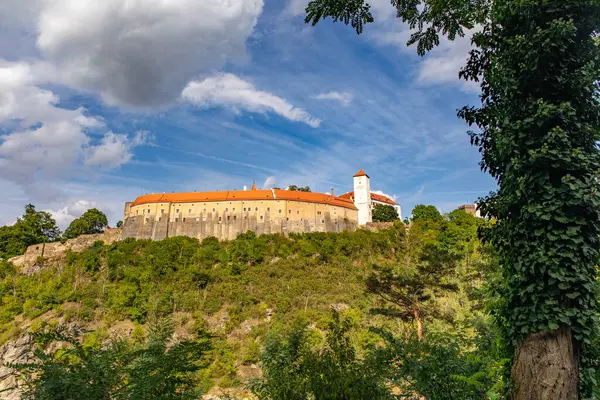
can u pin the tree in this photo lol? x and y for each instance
(537, 63)
(92, 221)
(31, 228)
(119, 370)
(426, 213)
(384, 213)
(418, 275)
(295, 370)
(539, 121)
(299, 188)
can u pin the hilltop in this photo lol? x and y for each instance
(240, 291)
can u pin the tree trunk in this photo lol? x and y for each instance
(546, 366)
(419, 324)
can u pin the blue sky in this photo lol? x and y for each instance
(234, 92)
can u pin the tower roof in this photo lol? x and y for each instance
(361, 173)
(253, 185)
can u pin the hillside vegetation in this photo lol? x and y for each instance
(377, 289)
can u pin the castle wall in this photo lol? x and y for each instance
(227, 219)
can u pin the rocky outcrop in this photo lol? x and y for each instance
(50, 252)
(15, 351)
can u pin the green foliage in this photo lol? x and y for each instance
(294, 368)
(119, 224)
(384, 213)
(426, 18)
(299, 188)
(92, 221)
(539, 129)
(409, 283)
(426, 213)
(119, 370)
(32, 228)
(445, 366)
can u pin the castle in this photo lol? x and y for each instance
(226, 214)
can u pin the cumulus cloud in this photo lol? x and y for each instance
(67, 214)
(343, 97)
(228, 90)
(379, 192)
(44, 139)
(115, 149)
(142, 52)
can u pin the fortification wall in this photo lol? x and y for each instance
(226, 220)
(58, 249)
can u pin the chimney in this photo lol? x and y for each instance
(332, 191)
(245, 187)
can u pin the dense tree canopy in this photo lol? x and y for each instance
(31, 228)
(299, 188)
(426, 213)
(92, 221)
(384, 213)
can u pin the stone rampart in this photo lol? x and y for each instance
(57, 249)
(228, 227)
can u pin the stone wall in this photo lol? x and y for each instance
(57, 250)
(225, 220)
(229, 226)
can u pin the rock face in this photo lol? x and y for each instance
(14, 351)
(54, 251)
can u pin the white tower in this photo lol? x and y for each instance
(362, 197)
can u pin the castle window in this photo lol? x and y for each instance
(323, 221)
(147, 219)
(204, 210)
(213, 210)
(298, 212)
(268, 208)
(162, 211)
(190, 211)
(279, 211)
(176, 219)
(37, 247)
(289, 211)
(137, 212)
(256, 209)
(219, 219)
(233, 209)
(261, 217)
(288, 219)
(227, 209)
(177, 211)
(184, 220)
(229, 218)
(234, 217)
(244, 208)
(318, 212)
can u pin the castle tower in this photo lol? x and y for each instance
(362, 197)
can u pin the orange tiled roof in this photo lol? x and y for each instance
(361, 173)
(374, 196)
(237, 195)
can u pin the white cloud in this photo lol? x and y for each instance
(67, 214)
(382, 193)
(270, 181)
(115, 150)
(45, 140)
(231, 91)
(343, 97)
(142, 52)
